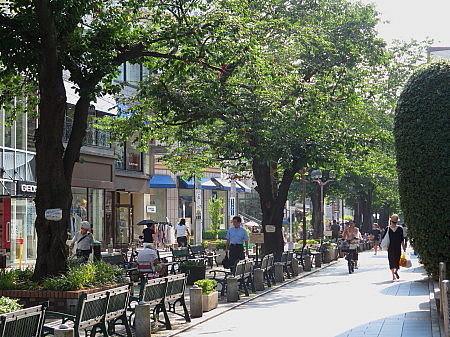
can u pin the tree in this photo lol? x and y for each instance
(88, 40)
(216, 214)
(421, 142)
(289, 99)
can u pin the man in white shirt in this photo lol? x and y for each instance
(83, 241)
(147, 259)
(182, 233)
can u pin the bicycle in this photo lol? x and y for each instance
(351, 250)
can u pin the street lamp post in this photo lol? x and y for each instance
(316, 176)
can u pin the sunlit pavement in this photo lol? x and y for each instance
(332, 303)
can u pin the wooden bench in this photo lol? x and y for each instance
(93, 313)
(267, 268)
(22, 323)
(157, 292)
(199, 252)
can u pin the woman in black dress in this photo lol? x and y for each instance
(396, 241)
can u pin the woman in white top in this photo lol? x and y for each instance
(182, 233)
(351, 233)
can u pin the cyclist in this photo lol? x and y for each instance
(352, 234)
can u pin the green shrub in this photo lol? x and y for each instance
(8, 305)
(210, 234)
(192, 263)
(208, 285)
(310, 242)
(422, 137)
(216, 215)
(7, 279)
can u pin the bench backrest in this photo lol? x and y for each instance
(248, 268)
(197, 250)
(153, 291)
(176, 285)
(91, 309)
(115, 260)
(265, 262)
(239, 269)
(118, 302)
(180, 254)
(284, 257)
(271, 261)
(23, 323)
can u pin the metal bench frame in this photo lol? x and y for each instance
(23, 323)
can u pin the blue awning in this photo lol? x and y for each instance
(162, 181)
(207, 183)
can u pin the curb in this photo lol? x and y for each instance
(436, 326)
(273, 288)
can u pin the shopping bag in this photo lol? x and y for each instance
(408, 263)
(226, 261)
(402, 262)
(385, 242)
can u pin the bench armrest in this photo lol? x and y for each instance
(63, 316)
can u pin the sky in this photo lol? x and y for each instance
(414, 19)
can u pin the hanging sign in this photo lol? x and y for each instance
(151, 209)
(269, 228)
(232, 206)
(256, 237)
(53, 214)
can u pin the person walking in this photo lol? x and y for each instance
(375, 237)
(182, 233)
(149, 233)
(84, 241)
(351, 234)
(236, 237)
(397, 240)
(335, 230)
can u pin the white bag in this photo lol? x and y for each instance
(386, 241)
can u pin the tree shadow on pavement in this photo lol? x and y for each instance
(412, 323)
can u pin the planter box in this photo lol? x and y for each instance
(61, 301)
(210, 301)
(194, 273)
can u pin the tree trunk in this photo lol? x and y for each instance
(383, 221)
(316, 213)
(273, 197)
(54, 164)
(367, 212)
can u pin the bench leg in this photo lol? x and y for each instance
(125, 323)
(187, 317)
(166, 317)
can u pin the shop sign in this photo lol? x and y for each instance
(151, 209)
(53, 214)
(26, 188)
(270, 228)
(232, 206)
(256, 237)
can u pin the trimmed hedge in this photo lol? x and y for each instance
(422, 138)
(209, 234)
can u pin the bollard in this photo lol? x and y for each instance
(142, 322)
(196, 301)
(444, 301)
(295, 267)
(442, 272)
(63, 331)
(258, 279)
(232, 289)
(318, 260)
(278, 271)
(307, 263)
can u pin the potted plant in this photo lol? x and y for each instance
(195, 270)
(210, 297)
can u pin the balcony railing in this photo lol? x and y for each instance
(94, 137)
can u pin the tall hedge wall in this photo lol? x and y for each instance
(422, 138)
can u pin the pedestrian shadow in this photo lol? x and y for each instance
(417, 323)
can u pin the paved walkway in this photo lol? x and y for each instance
(332, 303)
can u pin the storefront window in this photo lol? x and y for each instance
(8, 165)
(95, 212)
(185, 202)
(20, 166)
(31, 236)
(31, 167)
(79, 209)
(21, 132)
(119, 152)
(158, 200)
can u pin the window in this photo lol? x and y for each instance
(21, 132)
(95, 212)
(128, 158)
(31, 144)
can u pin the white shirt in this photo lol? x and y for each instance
(145, 259)
(181, 230)
(84, 244)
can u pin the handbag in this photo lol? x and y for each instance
(226, 261)
(386, 241)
